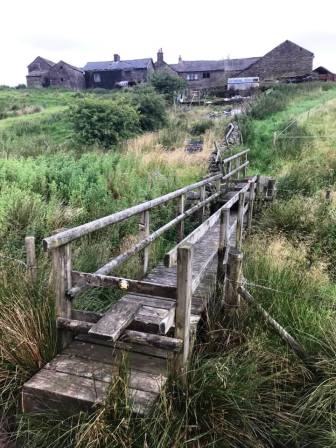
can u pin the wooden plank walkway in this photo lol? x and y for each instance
(80, 376)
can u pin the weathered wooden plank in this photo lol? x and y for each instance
(126, 346)
(111, 355)
(86, 316)
(125, 284)
(153, 301)
(69, 393)
(154, 340)
(162, 320)
(111, 325)
(100, 371)
(235, 156)
(75, 326)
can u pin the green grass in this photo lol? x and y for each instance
(246, 388)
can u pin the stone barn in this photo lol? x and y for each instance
(287, 60)
(117, 73)
(67, 76)
(38, 72)
(323, 74)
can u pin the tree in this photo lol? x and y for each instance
(167, 84)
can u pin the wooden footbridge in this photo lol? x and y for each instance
(156, 320)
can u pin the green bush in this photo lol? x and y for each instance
(168, 85)
(150, 105)
(103, 122)
(268, 103)
(200, 127)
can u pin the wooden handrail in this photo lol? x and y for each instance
(62, 238)
(120, 259)
(235, 156)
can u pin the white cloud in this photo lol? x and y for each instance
(78, 31)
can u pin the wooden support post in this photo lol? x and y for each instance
(240, 221)
(234, 272)
(271, 189)
(259, 192)
(61, 275)
(228, 179)
(218, 185)
(31, 258)
(223, 247)
(180, 226)
(251, 204)
(144, 232)
(237, 166)
(245, 167)
(183, 305)
(202, 198)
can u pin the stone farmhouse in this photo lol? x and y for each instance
(287, 60)
(116, 73)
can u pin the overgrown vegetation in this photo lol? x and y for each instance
(245, 388)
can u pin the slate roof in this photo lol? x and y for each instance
(50, 63)
(131, 64)
(208, 66)
(55, 67)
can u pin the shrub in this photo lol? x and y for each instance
(103, 122)
(168, 85)
(151, 107)
(201, 126)
(268, 103)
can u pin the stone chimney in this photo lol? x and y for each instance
(180, 59)
(160, 56)
(116, 57)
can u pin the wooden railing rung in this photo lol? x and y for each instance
(124, 284)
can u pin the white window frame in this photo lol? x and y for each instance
(96, 77)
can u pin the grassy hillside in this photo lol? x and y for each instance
(246, 388)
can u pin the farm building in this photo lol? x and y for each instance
(324, 74)
(117, 73)
(45, 73)
(38, 72)
(284, 61)
(210, 74)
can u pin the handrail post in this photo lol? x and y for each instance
(144, 232)
(223, 247)
(240, 221)
(245, 167)
(31, 258)
(180, 226)
(183, 306)
(251, 204)
(234, 273)
(202, 198)
(259, 192)
(61, 276)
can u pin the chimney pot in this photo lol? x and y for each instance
(116, 57)
(180, 58)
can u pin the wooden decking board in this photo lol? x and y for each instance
(99, 371)
(71, 393)
(114, 321)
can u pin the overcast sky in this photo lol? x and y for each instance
(81, 31)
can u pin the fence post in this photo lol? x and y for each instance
(61, 276)
(183, 305)
(180, 226)
(240, 221)
(223, 247)
(144, 232)
(270, 194)
(234, 272)
(202, 198)
(259, 192)
(31, 258)
(251, 204)
(245, 167)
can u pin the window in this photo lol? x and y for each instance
(206, 75)
(96, 77)
(62, 79)
(192, 76)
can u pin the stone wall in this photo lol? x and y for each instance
(63, 75)
(286, 60)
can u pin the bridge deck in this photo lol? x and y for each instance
(81, 375)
